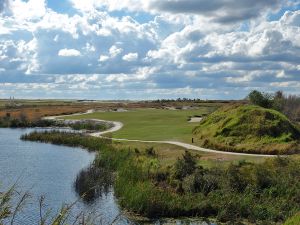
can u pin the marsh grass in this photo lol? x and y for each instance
(13, 202)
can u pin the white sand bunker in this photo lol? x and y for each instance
(195, 119)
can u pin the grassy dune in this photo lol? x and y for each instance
(248, 128)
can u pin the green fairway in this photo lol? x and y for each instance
(152, 124)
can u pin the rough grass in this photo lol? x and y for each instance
(168, 154)
(152, 124)
(295, 220)
(248, 128)
(36, 113)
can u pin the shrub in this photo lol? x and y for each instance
(150, 151)
(261, 99)
(185, 166)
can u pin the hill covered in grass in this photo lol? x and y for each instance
(250, 129)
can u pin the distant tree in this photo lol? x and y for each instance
(287, 104)
(261, 99)
(278, 101)
(291, 107)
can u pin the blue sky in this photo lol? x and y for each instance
(132, 49)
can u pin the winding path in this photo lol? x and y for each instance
(118, 125)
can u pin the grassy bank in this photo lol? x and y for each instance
(248, 128)
(264, 193)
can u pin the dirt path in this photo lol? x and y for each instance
(118, 125)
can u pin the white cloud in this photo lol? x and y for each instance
(130, 57)
(27, 10)
(115, 51)
(69, 52)
(103, 58)
(90, 48)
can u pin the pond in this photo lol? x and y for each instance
(50, 171)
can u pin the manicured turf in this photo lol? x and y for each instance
(152, 124)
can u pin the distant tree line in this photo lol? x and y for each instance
(193, 100)
(287, 104)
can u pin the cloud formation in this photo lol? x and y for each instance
(130, 57)
(68, 52)
(228, 11)
(149, 49)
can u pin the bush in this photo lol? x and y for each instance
(185, 166)
(261, 99)
(150, 151)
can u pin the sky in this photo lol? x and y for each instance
(148, 49)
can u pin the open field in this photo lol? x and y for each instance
(152, 124)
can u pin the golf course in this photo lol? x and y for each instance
(152, 124)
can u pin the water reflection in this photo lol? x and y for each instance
(93, 182)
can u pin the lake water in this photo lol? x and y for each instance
(49, 170)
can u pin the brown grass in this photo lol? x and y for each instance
(35, 113)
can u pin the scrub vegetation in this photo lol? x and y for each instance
(264, 193)
(23, 122)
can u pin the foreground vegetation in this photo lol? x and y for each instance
(248, 128)
(12, 202)
(264, 193)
